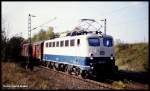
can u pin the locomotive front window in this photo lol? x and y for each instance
(94, 41)
(108, 42)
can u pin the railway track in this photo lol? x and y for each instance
(107, 84)
(98, 84)
(88, 81)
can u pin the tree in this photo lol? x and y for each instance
(118, 41)
(50, 34)
(3, 44)
(4, 38)
(34, 38)
(44, 35)
(14, 47)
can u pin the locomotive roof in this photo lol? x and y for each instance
(79, 36)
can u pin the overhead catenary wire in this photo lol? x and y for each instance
(123, 9)
(44, 23)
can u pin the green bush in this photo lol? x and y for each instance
(132, 56)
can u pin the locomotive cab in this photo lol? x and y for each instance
(101, 54)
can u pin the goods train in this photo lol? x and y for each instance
(79, 52)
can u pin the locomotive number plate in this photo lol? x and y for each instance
(102, 52)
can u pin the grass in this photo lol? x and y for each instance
(118, 85)
(14, 75)
(11, 74)
(132, 57)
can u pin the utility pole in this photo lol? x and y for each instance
(29, 28)
(104, 26)
(29, 61)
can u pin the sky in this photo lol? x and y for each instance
(127, 21)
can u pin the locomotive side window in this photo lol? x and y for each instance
(61, 43)
(53, 44)
(72, 42)
(66, 43)
(50, 44)
(46, 44)
(78, 42)
(94, 41)
(108, 42)
(57, 44)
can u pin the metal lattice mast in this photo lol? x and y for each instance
(105, 26)
(29, 28)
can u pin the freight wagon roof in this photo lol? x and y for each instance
(38, 42)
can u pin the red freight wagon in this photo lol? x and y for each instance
(37, 50)
(24, 50)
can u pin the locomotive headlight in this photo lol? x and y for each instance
(91, 56)
(92, 67)
(111, 58)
